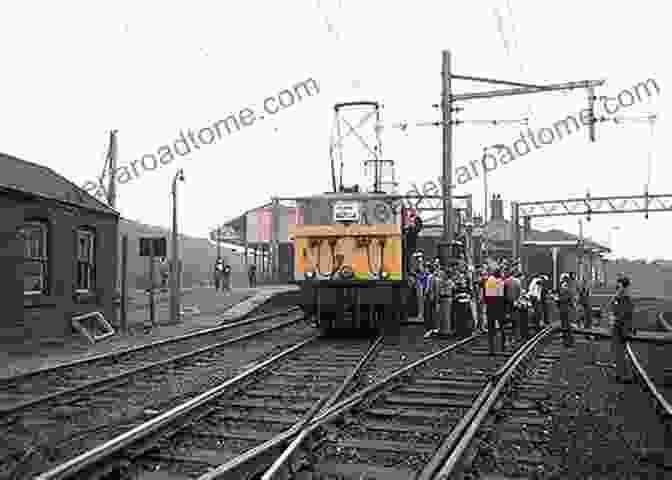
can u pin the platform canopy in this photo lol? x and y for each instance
(253, 228)
(588, 246)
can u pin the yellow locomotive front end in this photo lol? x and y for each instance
(348, 259)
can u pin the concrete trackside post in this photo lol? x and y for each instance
(124, 284)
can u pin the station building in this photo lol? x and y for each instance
(550, 252)
(58, 253)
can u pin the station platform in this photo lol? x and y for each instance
(203, 308)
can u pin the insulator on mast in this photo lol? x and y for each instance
(591, 114)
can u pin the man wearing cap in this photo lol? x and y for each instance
(623, 309)
(565, 301)
(218, 273)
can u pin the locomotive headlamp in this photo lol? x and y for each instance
(310, 275)
(347, 272)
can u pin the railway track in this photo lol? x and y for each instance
(233, 417)
(47, 428)
(426, 420)
(21, 391)
(169, 439)
(511, 435)
(396, 428)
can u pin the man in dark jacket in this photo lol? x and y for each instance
(623, 309)
(219, 271)
(584, 300)
(226, 279)
(252, 275)
(565, 304)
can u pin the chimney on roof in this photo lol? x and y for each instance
(497, 208)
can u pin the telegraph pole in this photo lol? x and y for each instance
(219, 236)
(581, 250)
(175, 262)
(445, 246)
(112, 164)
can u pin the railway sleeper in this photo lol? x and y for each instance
(270, 404)
(217, 434)
(391, 446)
(429, 401)
(450, 392)
(292, 395)
(408, 414)
(359, 471)
(262, 416)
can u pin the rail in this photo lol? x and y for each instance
(452, 449)
(664, 324)
(147, 346)
(282, 464)
(134, 371)
(663, 407)
(107, 449)
(331, 413)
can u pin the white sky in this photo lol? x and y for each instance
(71, 71)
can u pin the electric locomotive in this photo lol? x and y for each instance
(350, 259)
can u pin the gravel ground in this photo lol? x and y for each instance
(599, 428)
(594, 431)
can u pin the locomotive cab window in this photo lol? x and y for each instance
(34, 237)
(85, 260)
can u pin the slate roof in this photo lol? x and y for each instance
(33, 179)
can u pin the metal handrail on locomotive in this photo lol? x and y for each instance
(349, 262)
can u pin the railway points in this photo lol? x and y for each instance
(405, 425)
(344, 385)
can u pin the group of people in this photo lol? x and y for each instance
(222, 276)
(433, 282)
(502, 295)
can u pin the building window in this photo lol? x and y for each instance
(85, 260)
(34, 237)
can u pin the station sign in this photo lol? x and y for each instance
(346, 212)
(153, 247)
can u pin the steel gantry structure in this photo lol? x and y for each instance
(585, 206)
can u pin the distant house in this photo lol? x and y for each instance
(58, 253)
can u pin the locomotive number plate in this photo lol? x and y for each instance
(346, 212)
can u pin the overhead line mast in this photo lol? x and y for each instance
(448, 98)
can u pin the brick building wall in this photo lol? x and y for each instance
(34, 317)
